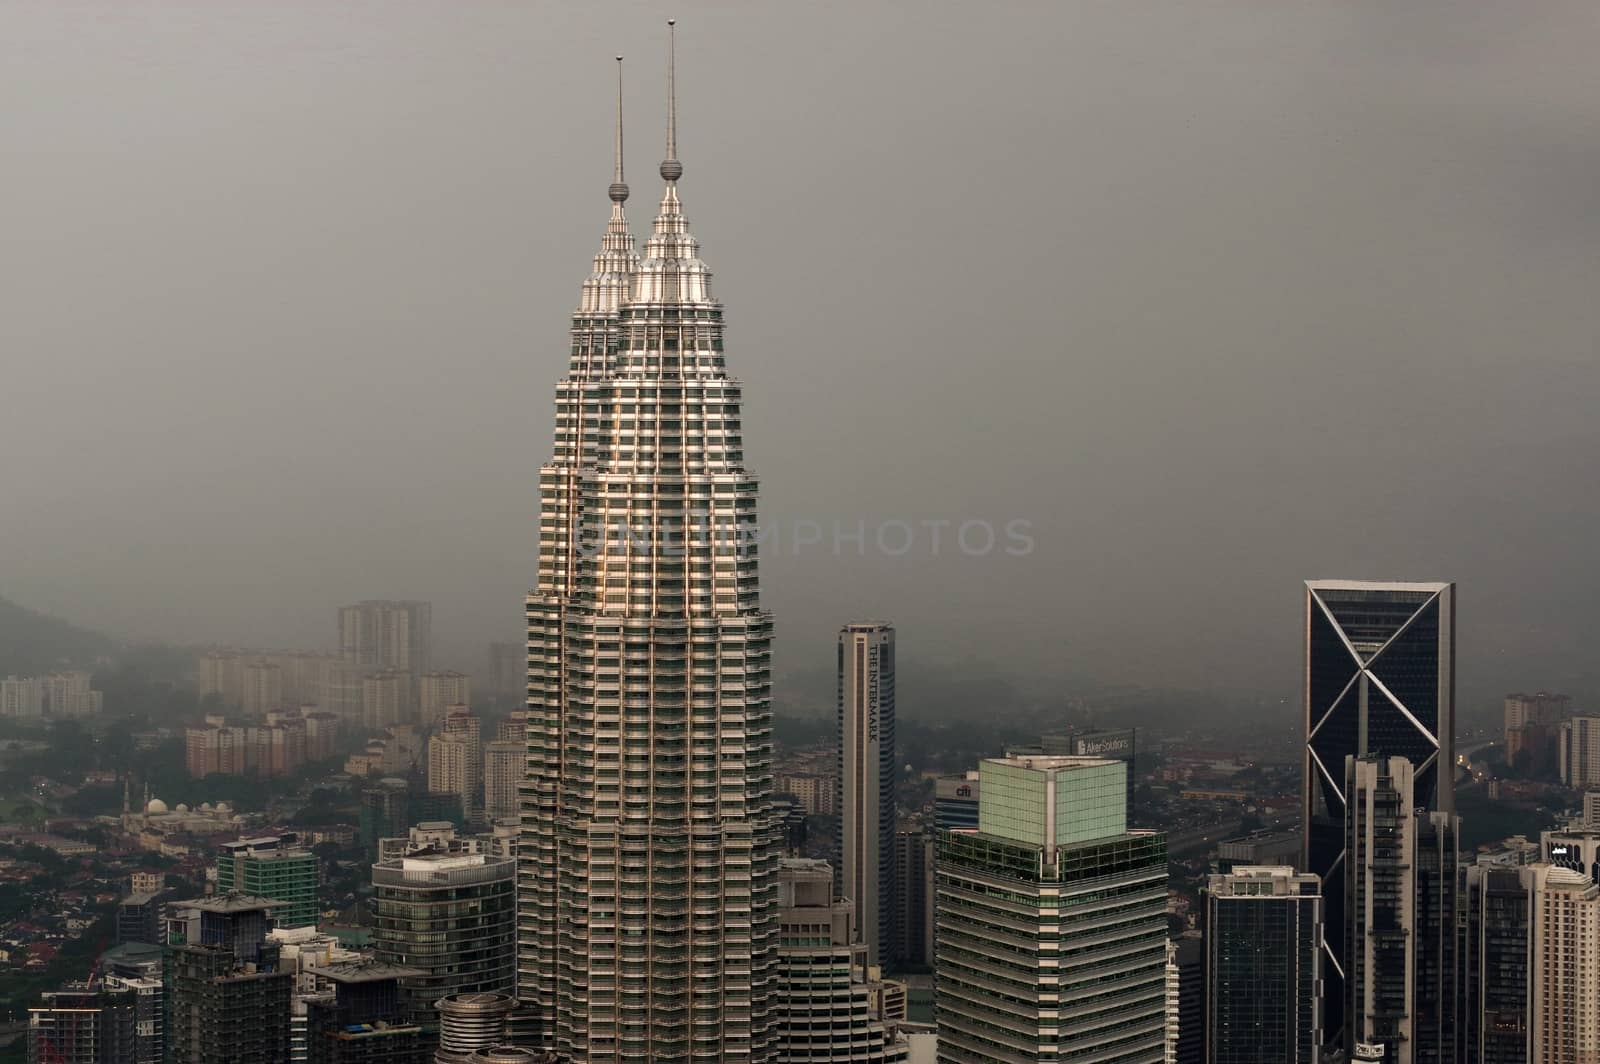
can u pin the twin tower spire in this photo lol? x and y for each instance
(609, 286)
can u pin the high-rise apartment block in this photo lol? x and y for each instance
(262, 688)
(385, 699)
(387, 635)
(1264, 966)
(1401, 888)
(1563, 969)
(82, 1025)
(1532, 723)
(1379, 680)
(823, 997)
(276, 867)
(61, 694)
(1051, 920)
(274, 748)
(455, 761)
(502, 772)
(649, 878)
(1579, 752)
(452, 916)
(438, 693)
(867, 776)
(508, 669)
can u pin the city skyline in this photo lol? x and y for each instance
(448, 232)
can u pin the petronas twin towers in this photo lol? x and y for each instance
(647, 875)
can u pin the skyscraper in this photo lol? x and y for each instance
(82, 1025)
(1263, 966)
(1379, 679)
(455, 762)
(450, 915)
(363, 1017)
(1494, 968)
(823, 999)
(387, 635)
(1400, 886)
(866, 781)
(1579, 751)
(1564, 972)
(230, 997)
(914, 853)
(1051, 920)
(649, 850)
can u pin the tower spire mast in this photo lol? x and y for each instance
(671, 168)
(619, 184)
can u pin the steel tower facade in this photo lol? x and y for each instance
(649, 853)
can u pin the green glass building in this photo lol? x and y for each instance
(1051, 920)
(271, 867)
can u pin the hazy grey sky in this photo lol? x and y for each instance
(1218, 295)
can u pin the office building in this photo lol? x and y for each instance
(1263, 966)
(450, 915)
(229, 997)
(387, 635)
(139, 917)
(1494, 965)
(385, 811)
(955, 802)
(1120, 744)
(911, 945)
(502, 771)
(823, 998)
(1579, 751)
(648, 888)
(363, 1016)
(1563, 966)
(1073, 963)
(1401, 886)
(867, 775)
(276, 867)
(439, 693)
(1379, 680)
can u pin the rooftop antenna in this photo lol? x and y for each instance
(671, 168)
(619, 185)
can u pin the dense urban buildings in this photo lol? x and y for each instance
(1379, 680)
(1263, 966)
(823, 997)
(449, 914)
(1051, 920)
(60, 694)
(649, 848)
(387, 635)
(364, 1017)
(867, 775)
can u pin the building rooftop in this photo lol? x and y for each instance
(232, 902)
(1046, 762)
(142, 897)
(363, 971)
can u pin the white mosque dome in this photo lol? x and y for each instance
(206, 807)
(156, 807)
(182, 808)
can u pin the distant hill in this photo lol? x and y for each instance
(32, 643)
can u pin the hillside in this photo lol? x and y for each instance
(32, 643)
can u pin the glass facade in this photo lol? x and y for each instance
(1379, 680)
(1264, 962)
